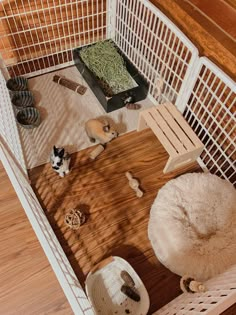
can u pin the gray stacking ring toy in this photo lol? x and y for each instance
(22, 99)
(28, 117)
(17, 84)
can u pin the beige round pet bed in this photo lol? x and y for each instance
(192, 225)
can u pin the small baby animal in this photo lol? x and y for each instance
(100, 131)
(60, 161)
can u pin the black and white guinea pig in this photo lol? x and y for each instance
(60, 161)
(100, 131)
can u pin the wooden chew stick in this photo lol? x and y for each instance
(70, 84)
(134, 184)
(96, 152)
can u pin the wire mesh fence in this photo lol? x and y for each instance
(155, 46)
(211, 112)
(39, 36)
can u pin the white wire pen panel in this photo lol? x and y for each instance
(211, 112)
(55, 254)
(8, 126)
(159, 50)
(220, 295)
(38, 36)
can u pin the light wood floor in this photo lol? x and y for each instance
(117, 220)
(27, 282)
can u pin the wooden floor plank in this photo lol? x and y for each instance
(116, 219)
(27, 282)
(220, 12)
(28, 285)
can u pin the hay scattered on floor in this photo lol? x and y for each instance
(108, 65)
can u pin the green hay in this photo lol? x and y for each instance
(107, 64)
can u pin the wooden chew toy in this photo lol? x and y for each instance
(76, 87)
(99, 149)
(134, 106)
(74, 219)
(189, 285)
(134, 184)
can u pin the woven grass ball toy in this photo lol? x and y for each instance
(74, 219)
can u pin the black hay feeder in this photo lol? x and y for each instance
(109, 101)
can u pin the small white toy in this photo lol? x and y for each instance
(99, 149)
(100, 131)
(60, 161)
(134, 184)
(189, 285)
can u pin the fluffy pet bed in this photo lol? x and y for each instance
(192, 225)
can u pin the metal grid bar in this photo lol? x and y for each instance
(43, 37)
(37, 37)
(38, 10)
(62, 43)
(155, 46)
(87, 21)
(46, 41)
(40, 35)
(26, 37)
(102, 19)
(211, 112)
(13, 39)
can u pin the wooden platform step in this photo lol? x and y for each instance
(174, 133)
